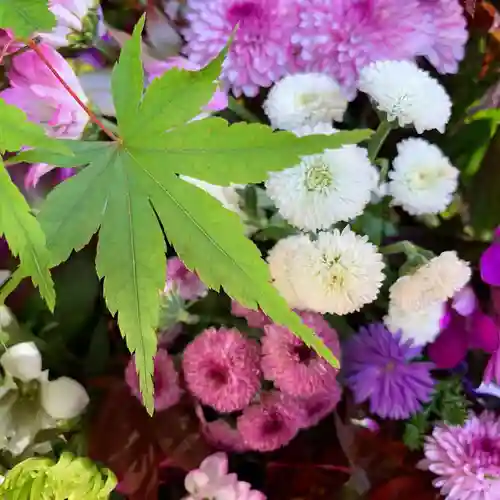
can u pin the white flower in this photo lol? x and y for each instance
(22, 361)
(318, 129)
(305, 99)
(4, 276)
(419, 325)
(407, 94)
(63, 398)
(287, 255)
(341, 274)
(423, 180)
(437, 281)
(324, 188)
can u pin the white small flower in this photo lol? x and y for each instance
(324, 188)
(317, 129)
(419, 325)
(341, 274)
(63, 398)
(423, 180)
(287, 255)
(22, 361)
(305, 99)
(407, 94)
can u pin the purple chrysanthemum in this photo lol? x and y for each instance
(271, 424)
(221, 368)
(294, 367)
(379, 367)
(316, 408)
(466, 458)
(166, 381)
(261, 52)
(339, 37)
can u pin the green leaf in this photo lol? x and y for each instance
(25, 17)
(130, 192)
(25, 237)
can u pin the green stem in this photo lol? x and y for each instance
(242, 111)
(378, 139)
(406, 247)
(11, 284)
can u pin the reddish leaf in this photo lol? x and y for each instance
(417, 487)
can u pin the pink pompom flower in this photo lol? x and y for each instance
(466, 458)
(294, 367)
(221, 368)
(261, 52)
(317, 407)
(183, 281)
(166, 381)
(270, 424)
(255, 319)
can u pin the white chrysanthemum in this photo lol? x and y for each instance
(423, 180)
(419, 325)
(324, 188)
(288, 254)
(342, 273)
(407, 94)
(318, 129)
(436, 281)
(305, 99)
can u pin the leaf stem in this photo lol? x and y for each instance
(378, 139)
(11, 284)
(32, 44)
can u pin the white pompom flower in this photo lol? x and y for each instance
(423, 180)
(341, 274)
(325, 188)
(22, 361)
(305, 99)
(63, 398)
(407, 94)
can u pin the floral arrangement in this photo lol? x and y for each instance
(249, 249)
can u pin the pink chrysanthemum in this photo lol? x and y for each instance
(339, 37)
(183, 281)
(255, 319)
(221, 368)
(466, 458)
(316, 408)
(166, 381)
(292, 365)
(446, 27)
(271, 424)
(261, 52)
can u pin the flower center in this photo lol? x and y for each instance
(486, 452)
(303, 353)
(218, 375)
(318, 176)
(242, 12)
(427, 177)
(273, 424)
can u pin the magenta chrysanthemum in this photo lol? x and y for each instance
(339, 37)
(316, 408)
(221, 368)
(271, 424)
(261, 52)
(292, 365)
(166, 381)
(379, 367)
(466, 458)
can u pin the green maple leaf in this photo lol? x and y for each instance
(25, 17)
(22, 231)
(131, 189)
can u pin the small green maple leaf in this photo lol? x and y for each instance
(131, 189)
(25, 17)
(22, 231)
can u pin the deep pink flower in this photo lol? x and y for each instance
(261, 52)
(8, 45)
(446, 26)
(221, 368)
(270, 424)
(339, 37)
(294, 367)
(316, 408)
(166, 381)
(183, 281)
(490, 262)
(466, 458)
(255, 319)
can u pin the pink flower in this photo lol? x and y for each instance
(294, 367)
(261, 52)
(221, 368)
(466, 459)
(35, 90)
(272, 423)
(255, 319)
(317, 407)
(339, 37)
(183, 281)
(490, 262)
(446, 26)
(156, 69)
(166, 381)
(8, 45)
